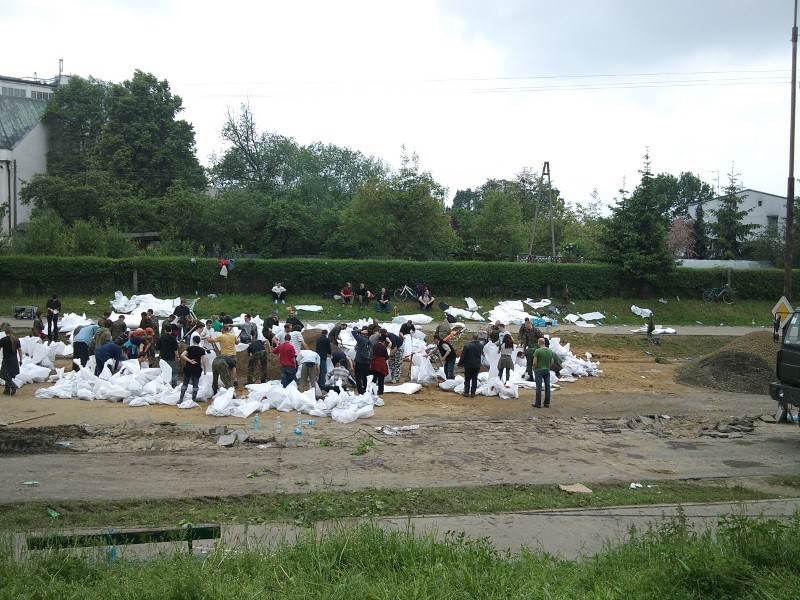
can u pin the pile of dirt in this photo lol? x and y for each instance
(746, 365)
(38, 440)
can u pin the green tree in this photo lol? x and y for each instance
(499, 231)
(634, 237)
(142, 141)
(676, 194)
(729, 233)
(402, 217)
(582, 230)
(700, 225)
(45, 234)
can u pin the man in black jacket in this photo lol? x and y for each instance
(471, 361)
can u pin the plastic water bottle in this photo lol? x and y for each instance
(309, 422)
(299, 419)
(255, 423)
(298, 431)
(277, 424)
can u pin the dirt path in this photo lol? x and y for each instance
(592, 433)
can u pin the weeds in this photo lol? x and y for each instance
(362, 447)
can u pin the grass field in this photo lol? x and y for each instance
(676, 311)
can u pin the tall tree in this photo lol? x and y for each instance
(701, 241)
(635, 237)
(729, 232)
(143, 143)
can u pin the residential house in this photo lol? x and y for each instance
(762, 209)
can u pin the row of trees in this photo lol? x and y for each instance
(121, 160)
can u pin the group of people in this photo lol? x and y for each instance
(362, 296)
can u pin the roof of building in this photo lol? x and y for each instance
(18, 116)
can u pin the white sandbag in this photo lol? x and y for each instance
(346, 414)
(450, 384)
(508, 390)
(245, 410)
(405, 388)
(135, 402)
(188, 403)
(422, 371)
(365, 412)
(84, 394)
(166, 371)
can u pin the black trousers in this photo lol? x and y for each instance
(362, 369)
(471, 380)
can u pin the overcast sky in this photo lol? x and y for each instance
(477, 89)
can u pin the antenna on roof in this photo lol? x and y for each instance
(60, 67)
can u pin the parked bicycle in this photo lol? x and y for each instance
(724, 293)
(404, 293)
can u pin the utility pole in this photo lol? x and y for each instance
(787, 268)
(545, 173)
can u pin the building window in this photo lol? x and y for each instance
(11, 91)
(41, 95)
(772, 222)
(760, 202)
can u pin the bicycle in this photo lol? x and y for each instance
(725, 293)
(404, 293)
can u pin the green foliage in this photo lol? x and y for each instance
(400, 218)
(729, 232)
(499, 231)
(635, 238)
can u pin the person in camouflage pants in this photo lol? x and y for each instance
(529, 339)
(220, 370)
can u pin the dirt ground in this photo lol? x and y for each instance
(633, 422)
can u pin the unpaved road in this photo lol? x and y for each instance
(591, 433)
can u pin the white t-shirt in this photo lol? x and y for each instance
(308, 356)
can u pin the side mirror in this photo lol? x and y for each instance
(776, 329)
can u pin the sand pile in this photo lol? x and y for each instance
(746, 365)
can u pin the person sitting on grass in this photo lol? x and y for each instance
(347, 294)
(426, 300)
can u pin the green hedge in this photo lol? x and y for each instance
(172, 276)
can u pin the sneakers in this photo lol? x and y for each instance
(282, 302)
(276, 301)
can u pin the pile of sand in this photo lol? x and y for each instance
(746, 365)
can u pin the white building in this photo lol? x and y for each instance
(763, 209)
(23, 142)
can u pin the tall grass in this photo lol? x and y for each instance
(748, 558)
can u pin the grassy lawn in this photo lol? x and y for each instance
(617, 310)
(746, 558)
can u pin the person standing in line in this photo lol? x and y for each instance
(395, 361)
(53, 310)
(470, 360)
(379, 366)
(323, 348)
(167, 346)
(288, 360)
(279, 292)
(297, 324)
(193, 367)
(12, 358)
(542, 361)
(506, 360)
(448, 354)
(363, 358)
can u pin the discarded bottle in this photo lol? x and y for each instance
(255, 423)
(299, 418)
(111, 553)
(309, 422)
(298, 431)
(277, 425)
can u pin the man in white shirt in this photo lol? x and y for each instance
(296, 338)
(279, 292)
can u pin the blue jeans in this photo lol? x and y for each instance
(542, 377)
(379, 307)
(323, 370)
(195, 379)
(288, 375)
(450, 368)
(174, 366)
